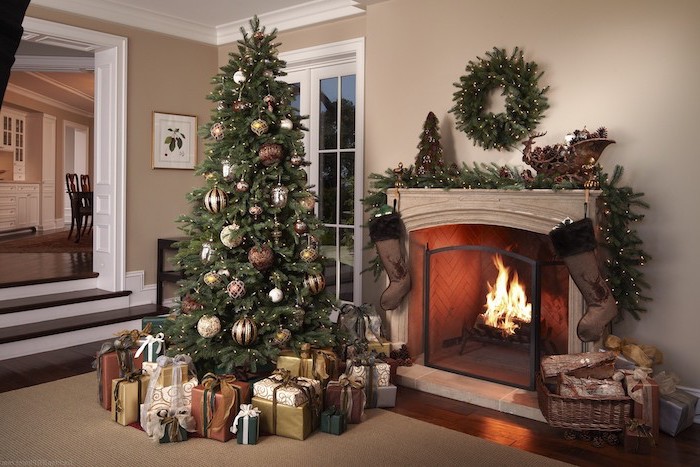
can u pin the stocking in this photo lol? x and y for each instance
(575, 243)
(385, 231)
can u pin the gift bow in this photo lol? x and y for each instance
(134, 334)
(635, 383)
(211, 383)
(179, 359)
(347, 383)
(637, 426)
(150, 340)
(174, 420)
(247, 410)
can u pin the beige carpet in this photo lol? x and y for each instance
(61, 423)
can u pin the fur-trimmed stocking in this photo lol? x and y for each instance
(385, 231)
(575, 243)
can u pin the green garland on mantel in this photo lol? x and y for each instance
(620, 209)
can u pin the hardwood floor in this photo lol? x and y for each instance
(18, 269)
(502, 428)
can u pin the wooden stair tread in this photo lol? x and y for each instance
(57, 299)
(74, 323)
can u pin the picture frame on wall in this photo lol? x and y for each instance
(174, 141)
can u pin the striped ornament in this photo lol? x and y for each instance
(244, 331)
(215, 200)
(315, 283)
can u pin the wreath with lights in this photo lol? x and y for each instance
(525, 101)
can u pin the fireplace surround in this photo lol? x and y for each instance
(534, 211)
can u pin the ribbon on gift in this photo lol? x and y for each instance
(372, 377)
(134, 376)
(286, 380)
(176, 399)
(170, 421)
(134, 334)
(126, 362)
(641, 430)
(149, 342)
(347, 383)
(213, 419)
(245, 413)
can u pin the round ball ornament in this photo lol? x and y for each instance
(208, 326)
(244, 331)
(286, 124)
(270, 154)
(255, 210)
(308, 202)
(282, 336)
(296, 160)
(239, 77)
(300, 227)
(525, 102)
(261, 257)
(279, 196)
(315, 283)
(276, 295)
(212, 278)
(217, 131)
(215, 200)
(231, 235)
(238, 106)
(242, 186)
(259, 127)
(189, 305)
(308, 254)
(269, 74)
(259, 35)
(236, 289)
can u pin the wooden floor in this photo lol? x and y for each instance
(488, 424)
(491, 425)
(18, 269)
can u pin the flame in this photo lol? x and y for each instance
(506, 303)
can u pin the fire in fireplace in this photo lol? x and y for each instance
(494, 301)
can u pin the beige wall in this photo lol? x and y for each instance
(33, 170)
(165, 74)
(628, 65)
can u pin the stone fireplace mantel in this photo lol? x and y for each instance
(532, 210)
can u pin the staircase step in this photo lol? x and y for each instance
(74, 323)
(57, 299)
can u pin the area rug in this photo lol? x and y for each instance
(57, 242)
(61, 423)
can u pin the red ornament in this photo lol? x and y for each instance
(261, 257)
(270, 154)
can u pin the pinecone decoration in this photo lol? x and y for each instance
(402, 356)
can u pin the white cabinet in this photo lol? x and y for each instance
(12, 139)
(19, 205)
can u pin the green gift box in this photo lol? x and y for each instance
(156, 322)
(180, 436)
(333, 421)
(248, 430)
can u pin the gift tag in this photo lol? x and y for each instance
(334, 315)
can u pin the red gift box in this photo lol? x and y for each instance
(219, 422)
(110, 366)
(334, 397)
(648, 410)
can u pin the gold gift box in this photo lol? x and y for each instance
(166, 373)
(383, 346)
(292, 422)
(125, 408)
(297, 366)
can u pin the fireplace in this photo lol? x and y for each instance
(467, 229)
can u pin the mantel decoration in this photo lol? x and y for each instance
(525, 102)
(619, 210)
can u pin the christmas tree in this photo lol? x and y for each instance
(253, 276)
(429, 158)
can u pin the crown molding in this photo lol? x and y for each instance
(57, 84)
(306, 14)
(47, 100)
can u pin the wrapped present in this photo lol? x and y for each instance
(382, 346)
(113, 361)
(151, 347)
(386, 396)
(676, 411)
(128, 393)
(318, 364)
(288, 390)
(246, 425)
(374, 372)
(213, 401)
(638, 438)
(393, 366)
(170, 426)
(348, 395)
(284, 420)
(333, 421)
(156, 322)
(167, 388)
(645, 393)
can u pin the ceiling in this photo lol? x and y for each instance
(61, 72)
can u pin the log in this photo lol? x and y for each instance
(570, 386)
(599, 365)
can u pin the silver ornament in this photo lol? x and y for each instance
(279, 196)
(207, 252)
(286, 124)
(276, 295)
(239, 77)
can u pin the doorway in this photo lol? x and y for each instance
(76, 139)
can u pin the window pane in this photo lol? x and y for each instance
(328, 249)
(328, 118)
(347, 188)
(328, 193)
(347, 112)
(296, 90)
(347, 254)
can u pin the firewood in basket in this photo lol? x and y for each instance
(599, 365)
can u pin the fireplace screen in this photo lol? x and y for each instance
(482, 313)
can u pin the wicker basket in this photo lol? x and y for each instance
(601, 414)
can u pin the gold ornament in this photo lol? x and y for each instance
(259, 127)
(230, 235)
(244, 331)
(315, 283)
(282, 336)
(309, 254)
(212, 278)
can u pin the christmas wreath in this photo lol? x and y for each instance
(525, 102)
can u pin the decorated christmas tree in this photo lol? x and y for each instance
(254, 279)
(429, 158)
